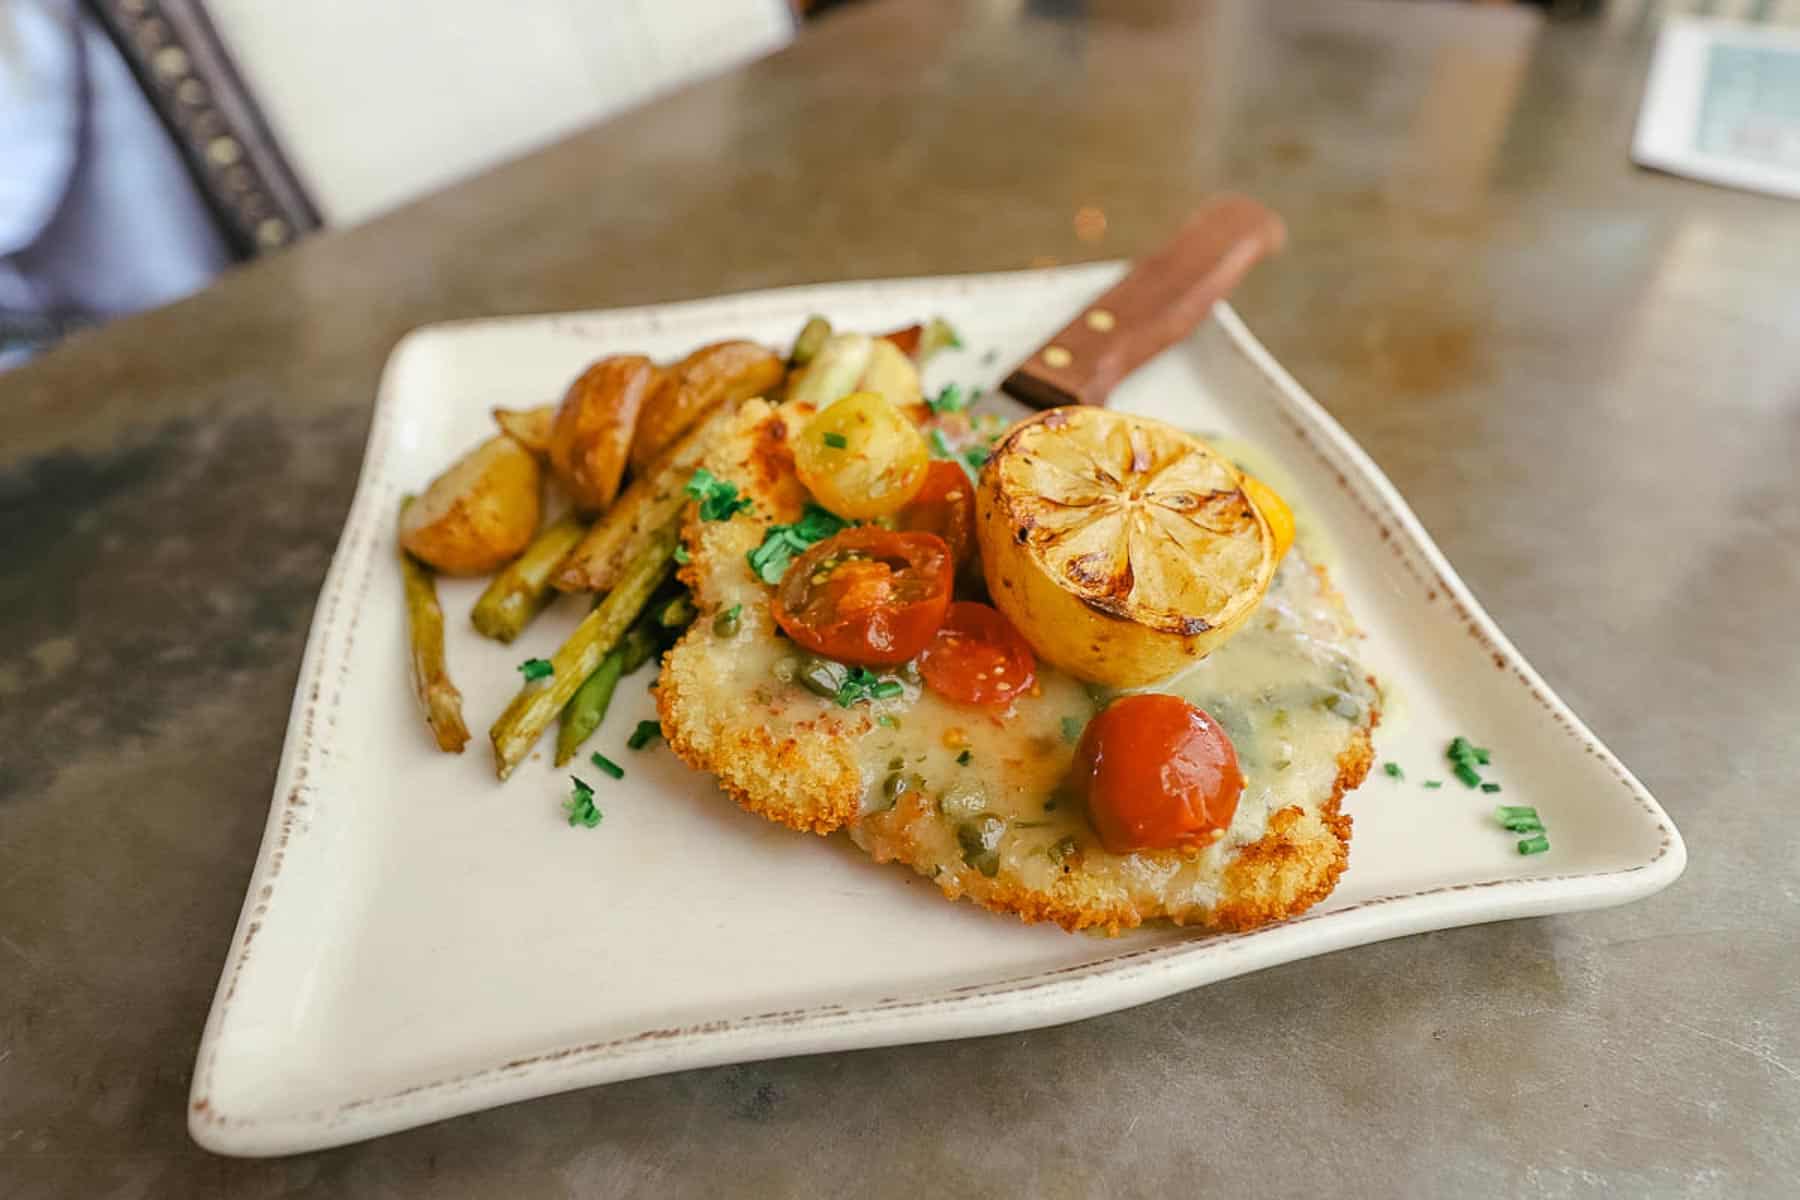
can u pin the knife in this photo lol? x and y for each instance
(1162, 299)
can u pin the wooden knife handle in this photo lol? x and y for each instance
(1159, 303)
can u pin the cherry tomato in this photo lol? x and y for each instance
(865, 596)
(977, 657)
(861, 457)
(1158, 774)
(945, 505)
(906, 340)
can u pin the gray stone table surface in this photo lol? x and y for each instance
(1586, 378)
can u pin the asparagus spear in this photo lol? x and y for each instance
(587, 708)
(807, 342)
(532, 710)
(521, 591)
(431, 676)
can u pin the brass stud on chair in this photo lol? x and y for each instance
(1101, 320)
(224, 151)
(1057, 357)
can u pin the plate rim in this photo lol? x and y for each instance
(1057, 995)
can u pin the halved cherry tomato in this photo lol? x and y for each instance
(944, 505)
(862, 457)
(977, 657)
(865, 596)
(1158, 774)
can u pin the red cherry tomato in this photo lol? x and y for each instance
(865, 596)
(906, 340)
(944, 505)
(977, 657)
(1158, 774)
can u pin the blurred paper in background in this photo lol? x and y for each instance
(1722, 105)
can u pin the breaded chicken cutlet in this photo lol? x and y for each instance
(975, 799)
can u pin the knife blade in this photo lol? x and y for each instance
(1160, 301)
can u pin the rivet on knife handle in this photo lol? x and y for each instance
(1160, 302)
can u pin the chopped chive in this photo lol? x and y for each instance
(682, 556)
(1466, 773)
(719, 499)
(950, 399)
(1534, 845)
(580, 804)
(1071, 729)
(1393, 770)
(1490, 787)
(534, 669)
(645, 733)
(836, 441)
(965, 758)
(975, 457)
(1481, 756)
(1518, 818)
(887, 689)
(606, 764)
(1434, 783)
(940, 445)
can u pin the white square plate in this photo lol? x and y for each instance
(419, 941)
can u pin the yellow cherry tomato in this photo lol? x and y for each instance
(862, 457)
(1274, 510)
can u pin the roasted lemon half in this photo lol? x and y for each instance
(1122, 548)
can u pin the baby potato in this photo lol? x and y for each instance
(724, 372)
(592, 434)
(530, 427)
(480, 513)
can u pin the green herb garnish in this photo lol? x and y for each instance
(860, 683)
(1519, 818)
(606, 764)
(975, 457)
(781, 542)
(888, 721)
(1434, 783)
(1490, 787)
(949, 400)
(580, 805)
(1534, 845)
(645, 733)
(940, 445)
(1393, 770)
(682, 556)
(1071, 729)
(965, 758)
(719, 499)
(534, 669)
(836, 441)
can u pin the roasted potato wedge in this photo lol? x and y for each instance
(592, 434)
(478, 514)
(530, 427)
(710, 376)
(653, 499)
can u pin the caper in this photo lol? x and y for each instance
(963, 800)
(896, 785)
(980, 840)
(726, 623)
(820, 676)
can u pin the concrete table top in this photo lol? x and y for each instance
(1585, 377)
